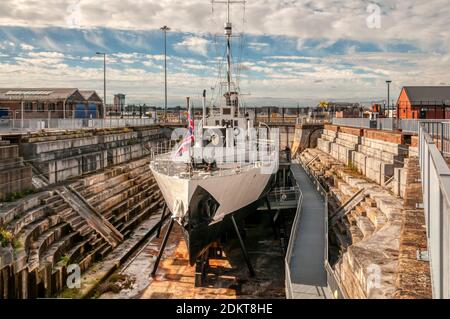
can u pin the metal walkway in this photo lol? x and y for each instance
(308, 252)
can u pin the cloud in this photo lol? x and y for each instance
(299, 50)
(50, 55)
(326, 19)
(258, 46)
(193, 44)
(26, 47)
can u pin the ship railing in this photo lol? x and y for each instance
(284, 196)
(169, 165)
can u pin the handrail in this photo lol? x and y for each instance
(287, 260)
(435, 176)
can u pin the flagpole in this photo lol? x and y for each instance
(189, 128)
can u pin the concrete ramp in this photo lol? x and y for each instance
(92, 217)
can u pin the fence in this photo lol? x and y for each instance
(435, 175)
(287, 262)
(27, 125)
(388, 124)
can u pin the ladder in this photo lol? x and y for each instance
(342, 211)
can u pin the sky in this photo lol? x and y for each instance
(286, 52)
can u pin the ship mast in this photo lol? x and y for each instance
(229, 35)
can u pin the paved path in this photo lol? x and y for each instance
(309, 278)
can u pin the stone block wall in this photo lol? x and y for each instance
(374, 154)
(15, 176)
(61, 156)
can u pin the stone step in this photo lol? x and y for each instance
(27, 218)
(92, 190)
(365, 226)
(122, 206)
(90, 257)
(355, 234)
(43, 241)
(105, 251)
(58, 248)
(140, 215)
(85, 230)
(32, 231)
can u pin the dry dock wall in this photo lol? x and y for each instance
(377, 155)
(63, 156)
(15, 177)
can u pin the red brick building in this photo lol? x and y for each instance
(52, 103)
(424, 102)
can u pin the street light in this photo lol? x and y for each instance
(388, 82)
(104, 82)
(165, 29)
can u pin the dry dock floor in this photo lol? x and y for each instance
(228, 278)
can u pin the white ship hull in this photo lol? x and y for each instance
(232, 192)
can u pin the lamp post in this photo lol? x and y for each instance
(165, 29)
(388, 82)
(21, 112)
(104, 82)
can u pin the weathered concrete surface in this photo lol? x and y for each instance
(375, 155)
(49, 234)
(61, 156)
(227, 279)
(15, 176)
(306, 136)
(413, 279)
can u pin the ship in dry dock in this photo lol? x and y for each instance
(220, 170)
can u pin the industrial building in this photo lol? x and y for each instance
(424, 102)
(119, 103)
(52, 103)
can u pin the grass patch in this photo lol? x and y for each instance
(6, 238)
(63, 261)
(71, 294)
(353, 168)
(12, 197)
(17, 244)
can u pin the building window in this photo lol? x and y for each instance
(52, 107)
(28, 106)
(40, 107)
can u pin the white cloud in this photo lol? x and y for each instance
(258, 46)
(322, 19)
(50, 55)
(26, 47)
(193, 44)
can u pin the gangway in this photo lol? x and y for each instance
(306, 276)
